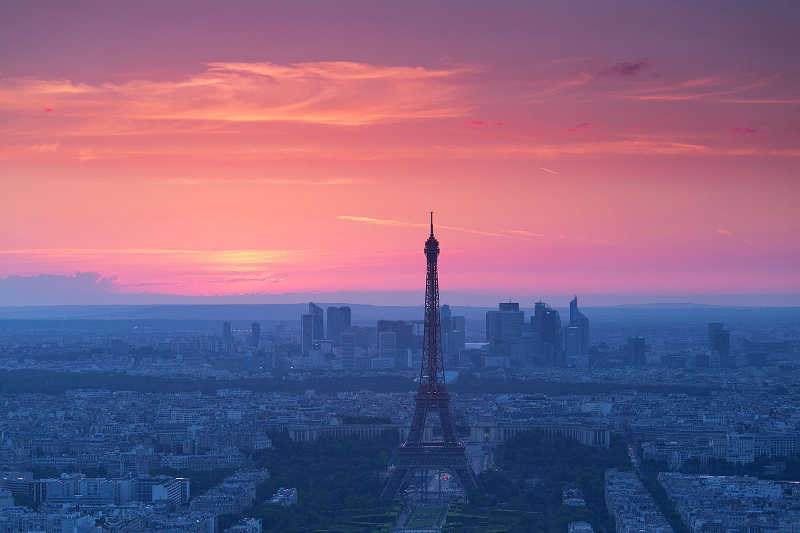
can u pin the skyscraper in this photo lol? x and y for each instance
(227, 337)
(579, 320)
(402, 328)
(387, 343)
(572, 346)
(504, 327)
(306, 332)
(317, 321)
(456, 337)
(338, 321)
(255, 334)
(348, 349)
(635, 351)
(546, 325)
(445, 317)
(719, 341)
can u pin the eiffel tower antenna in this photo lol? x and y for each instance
(414, 454)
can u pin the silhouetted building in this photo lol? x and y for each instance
(504, 328)
(636, 351)
(572, 346)
(306, 332)
(348, 349)
(719, 341)
(255, 334)
(453, 334)
(317, 321)
(701, 360)
(402, 328)
(387, 343)
(578, 320)
(444, 317)
(227, 337)
(674, 361)
(338, 321)
(546, 326)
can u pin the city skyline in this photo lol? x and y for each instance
(358, 266)
(642, 154)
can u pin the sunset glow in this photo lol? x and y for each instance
(561, 154)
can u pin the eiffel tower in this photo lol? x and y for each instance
(415, 454)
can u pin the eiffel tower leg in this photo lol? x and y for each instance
(415, 433)
(396, 480)
(466, 477)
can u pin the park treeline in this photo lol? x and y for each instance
(339, 481)
(54, 382)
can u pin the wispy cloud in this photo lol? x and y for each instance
(524, 233)
(549, 170)
(549, 88)
(335, 93)
(400, 223)
(580, 127)
(625, 68)
(723, 231)
(688, 90)
(779, 101)
(264, 181)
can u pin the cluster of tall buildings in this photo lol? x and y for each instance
(312, 326)
(541, 340)
(389, 344)
(229, 342)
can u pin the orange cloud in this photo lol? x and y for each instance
(335, 93)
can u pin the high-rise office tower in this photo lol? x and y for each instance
(504, 327)
(635, 351)
(317, 321)
(457, 336)
(445, 317)
(344, 318)
(338, 321)
(227, 336)
(333, 321)
(719, 340)
(306, 332)
(572, 346)
(347, 349)
(546, 325)
(387, 343)
(402, 328)
(579, 320)
(255, 334)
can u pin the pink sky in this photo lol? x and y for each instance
(198, 149)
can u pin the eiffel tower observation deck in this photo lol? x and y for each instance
(415, 454)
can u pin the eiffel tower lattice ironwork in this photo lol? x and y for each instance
(415, 453)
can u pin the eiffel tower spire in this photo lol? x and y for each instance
(415, 454)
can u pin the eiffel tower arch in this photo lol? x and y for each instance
(415, 454)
